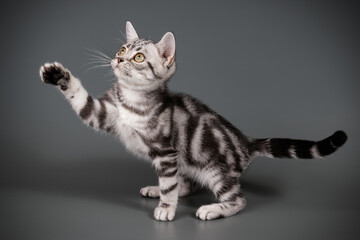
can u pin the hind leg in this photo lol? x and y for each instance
(230, 197)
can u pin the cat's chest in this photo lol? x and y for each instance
(140, 133)
(129, 126)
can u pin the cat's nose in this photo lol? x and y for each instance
(119, 60)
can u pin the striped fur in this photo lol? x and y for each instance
(185, 140)
(291, 148)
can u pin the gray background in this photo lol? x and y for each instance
(273, 68)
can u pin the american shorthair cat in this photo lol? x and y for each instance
(185, 140)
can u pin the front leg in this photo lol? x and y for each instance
(166, 168)
(97, 113)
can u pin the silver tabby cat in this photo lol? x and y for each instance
(186, 141)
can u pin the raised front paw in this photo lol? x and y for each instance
(56, 74)
(164, 213)
(150, 191)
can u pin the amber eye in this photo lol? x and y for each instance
(139, 57)
(122, 51)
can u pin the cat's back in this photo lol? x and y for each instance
(193, 108)
(191, 115)
(190, 105)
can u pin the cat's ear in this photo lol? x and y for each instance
(131, 34)
(166, 48)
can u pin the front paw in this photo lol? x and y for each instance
(166, 213)
(56, 74)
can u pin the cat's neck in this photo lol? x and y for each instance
(141, 98)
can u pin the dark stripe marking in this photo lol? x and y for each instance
(164, 205)
(109, 129)
(233, 204)
(228, 184)
(169, 189)
(153, 71)
(88, 108)
(107, 98)
(162, 153)
(135, 110)
(163, 173)
(140, 42)
(280, 147)
(102, 114)
(168, 164)
(232, 197)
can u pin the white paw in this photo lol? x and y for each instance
(209, 212)
(150, 191)
(164, 213)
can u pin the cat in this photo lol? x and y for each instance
(186, 141)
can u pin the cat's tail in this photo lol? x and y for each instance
(293, 148)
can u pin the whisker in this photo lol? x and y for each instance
(97, 66)
(108, 54)
(95, 62)
(111, 79)
(100, 60)
(119, 39)
(94, 57)
(99, 53)
(109, 74)
(103, 54)
(122, 34)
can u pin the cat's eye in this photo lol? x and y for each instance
(139, 57)
(122, 51)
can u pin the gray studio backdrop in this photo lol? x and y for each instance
(273, 68)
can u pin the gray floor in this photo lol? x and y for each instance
(99, 200)
(272, 68)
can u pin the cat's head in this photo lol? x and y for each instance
(143, 64)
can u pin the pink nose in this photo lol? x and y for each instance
(119, 60)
